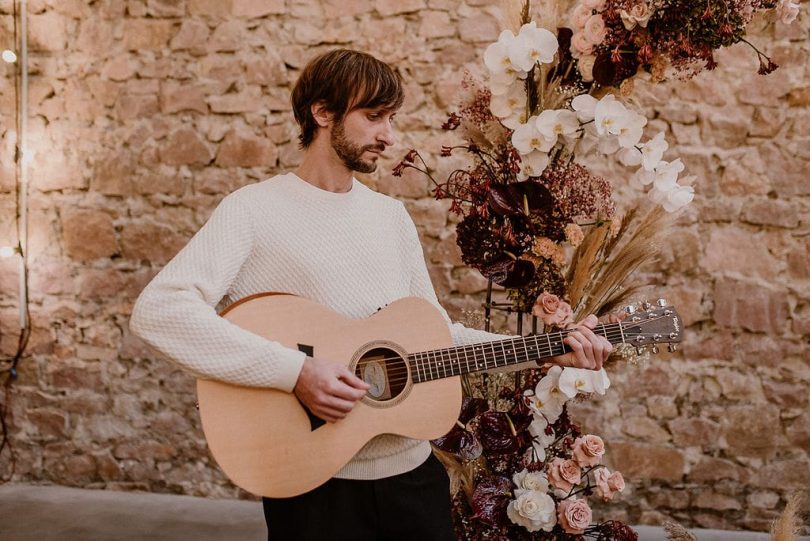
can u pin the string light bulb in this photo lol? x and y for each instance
(9, 56)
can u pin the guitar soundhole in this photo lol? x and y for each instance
(385, 370)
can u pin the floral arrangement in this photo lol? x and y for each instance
(533, 468)
(613, 39)
(538, 222)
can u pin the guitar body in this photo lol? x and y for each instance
(265, 441)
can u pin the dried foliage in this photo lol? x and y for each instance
(676, 532)
(788, 525)
(639, 244)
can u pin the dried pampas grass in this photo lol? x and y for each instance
(787, 526)
(548, 14)
(676, 532)
(635, 245)
(584, 262)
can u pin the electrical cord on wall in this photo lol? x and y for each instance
(8, 366)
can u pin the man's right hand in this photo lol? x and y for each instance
(328, 389)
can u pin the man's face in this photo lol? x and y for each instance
(361, 136)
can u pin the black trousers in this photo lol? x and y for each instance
(411, 506)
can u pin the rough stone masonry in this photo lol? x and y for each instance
(145, 113)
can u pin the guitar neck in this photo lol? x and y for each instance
(459, 360)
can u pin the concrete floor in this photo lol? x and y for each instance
(51, 513)
(36, 513)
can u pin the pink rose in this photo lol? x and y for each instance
(552, 311)
(546, 303)
(580, 45)
(574, 515)
(616, 481)
(564, 474)
(580, 16)
(585, 66)
(595, 30)
(601, 477)
(564, 315)
(639, 14)
(588, 450)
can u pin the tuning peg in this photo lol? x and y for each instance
(630, 309)
(639, 350)
(672, 347)
(646, 305)
(662, 303)
(655, 349)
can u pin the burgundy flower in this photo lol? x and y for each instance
(617, 531)
(490, 499)
(766, 68)
(461, 441)
(645, 54)
(498, 434)
(453, 122)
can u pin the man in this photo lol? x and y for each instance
(319, 233)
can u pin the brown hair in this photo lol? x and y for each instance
(344, 80)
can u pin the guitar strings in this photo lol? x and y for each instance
(437, 360)
(450, 350)
(611, 331)
(399, 375)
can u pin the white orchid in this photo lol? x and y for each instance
(652, 152)
(555, 122)
(496, 56)
(664, 176)
(505, 105)
(631, 130)
(533, 164)
(648, 155)
(532, 45)
(527, 138)
(613, 118)
(585, 106)
(532, 509)
(675, 197)
(516, 119)
(609, 115)
(678, 197)
(548, 400)
(502, 82)
(608, 144)
(581, 380)
(629, 157)
(541, 440)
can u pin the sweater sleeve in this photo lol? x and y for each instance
(176, 315)
(421, 286)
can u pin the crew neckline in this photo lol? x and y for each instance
(320, 192)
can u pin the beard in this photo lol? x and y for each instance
(351, 154)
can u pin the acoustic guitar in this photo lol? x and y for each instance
(268, 443)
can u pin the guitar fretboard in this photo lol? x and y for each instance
(458, 360)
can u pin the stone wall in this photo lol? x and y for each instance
(145, 113)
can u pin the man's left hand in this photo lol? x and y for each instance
(588, 350)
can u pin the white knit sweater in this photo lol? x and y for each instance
(353, 252)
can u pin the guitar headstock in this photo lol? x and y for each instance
(650, 325)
